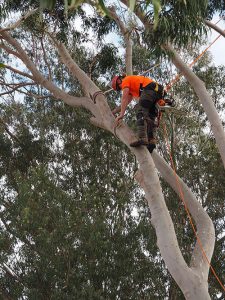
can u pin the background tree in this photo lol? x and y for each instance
(44, 61)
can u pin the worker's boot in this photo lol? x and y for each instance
(139, 142)
(152, 145)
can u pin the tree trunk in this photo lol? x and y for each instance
(205, 99)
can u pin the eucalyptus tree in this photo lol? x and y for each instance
(191, 278)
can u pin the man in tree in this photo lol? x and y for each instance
(147, 92)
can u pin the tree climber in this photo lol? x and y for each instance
(147, 92)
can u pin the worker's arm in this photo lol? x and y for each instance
(126, 99)
(116, 110)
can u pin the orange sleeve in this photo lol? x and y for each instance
(126, 83)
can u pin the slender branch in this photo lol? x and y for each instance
(9, 132)
(9, 50)
(221, 240)
(4, 294)
(18, 72)
(18, 23)
(127, 37)
(39, 97)
(15, 87)
(11, 273)
(46, 61)
(215, 27)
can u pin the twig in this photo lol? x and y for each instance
(17, 23)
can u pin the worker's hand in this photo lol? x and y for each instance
(114, 111)
(120, 117)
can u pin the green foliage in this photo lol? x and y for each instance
(215, 6)
(157, 9)
(49, 4)
(74, 224)
(72, 213)
(178, 22)
(132, 4)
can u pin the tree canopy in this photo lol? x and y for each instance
(74, 222)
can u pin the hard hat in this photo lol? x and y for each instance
(116, 81)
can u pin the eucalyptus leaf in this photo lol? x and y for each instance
(102, 7)
(49, 4)
(132, 4)
(157, 9)
(75, 3)
(66, 8)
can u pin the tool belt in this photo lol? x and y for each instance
(154, 86)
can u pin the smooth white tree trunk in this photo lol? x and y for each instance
(205, 99)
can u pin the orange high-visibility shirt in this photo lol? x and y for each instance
(133, 82)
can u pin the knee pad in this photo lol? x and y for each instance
(140, 119)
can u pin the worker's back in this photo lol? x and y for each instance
(134, 83)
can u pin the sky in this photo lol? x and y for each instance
(218, 48)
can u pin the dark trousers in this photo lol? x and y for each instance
(146, 113)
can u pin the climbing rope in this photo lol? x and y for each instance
(186, 208)
(177, 78)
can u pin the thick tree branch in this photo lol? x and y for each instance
(49, 85)
(205, 229)
(102, 109)
(205, 99)
(166, 239)
(195, 280)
